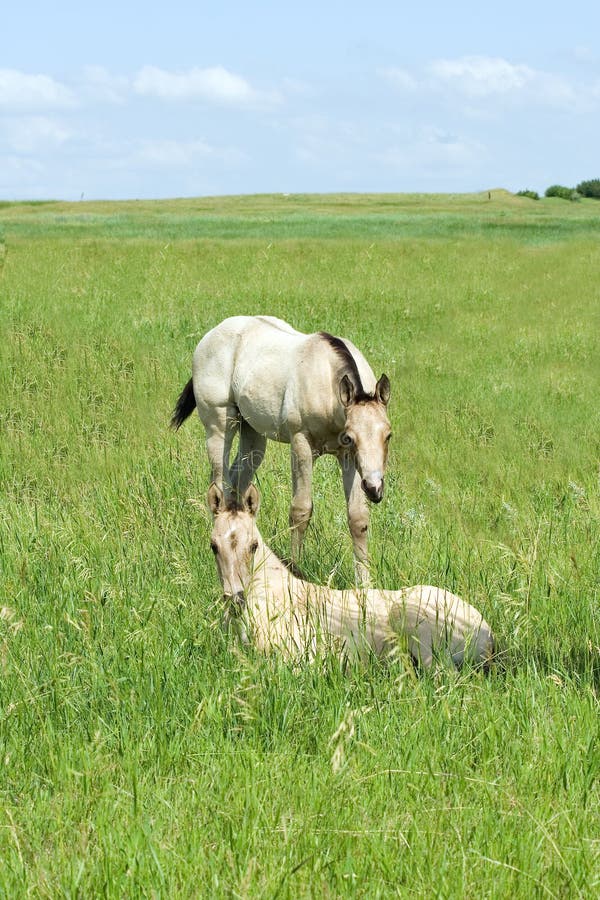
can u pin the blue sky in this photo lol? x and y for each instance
(125, 100)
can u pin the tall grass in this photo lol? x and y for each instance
(284, 217)
(142, 753)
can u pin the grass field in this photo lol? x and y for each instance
(144, 755)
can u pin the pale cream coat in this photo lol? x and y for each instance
(269, 606)
(258, 377)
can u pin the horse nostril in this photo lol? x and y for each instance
(373, 491)
(235, 603)
(239, 601)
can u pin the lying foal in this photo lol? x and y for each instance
(269, 606)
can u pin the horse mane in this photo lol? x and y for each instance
(288, 564)
(349, 365)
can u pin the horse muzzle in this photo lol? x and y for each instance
(235, 603)
(373, 489)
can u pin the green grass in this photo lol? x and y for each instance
(142, 754)
(285, 217)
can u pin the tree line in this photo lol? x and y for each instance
(589, 188)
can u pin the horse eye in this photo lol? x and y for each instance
(345, 439)
(388, 436)
(214, 547)
(253, 546)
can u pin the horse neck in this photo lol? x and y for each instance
(348, 360)
(271, 570)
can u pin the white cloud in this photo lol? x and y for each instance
(554, 90)
(19, 90)
(32, 134)
(216, 85)
(482, 75)
(399, 78)
(100, 85)
(489, 79)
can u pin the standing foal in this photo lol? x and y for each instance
(259, 377)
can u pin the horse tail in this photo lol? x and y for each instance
(184, 407)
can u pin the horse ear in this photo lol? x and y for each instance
(251, 500)
(383, 390)
(215, 498)
(347, 391)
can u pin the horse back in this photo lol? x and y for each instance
(280, 379)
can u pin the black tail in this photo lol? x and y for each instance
(185, 406)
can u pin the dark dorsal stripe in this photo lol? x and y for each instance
(234, 505)
(350, 366)
(290, 565)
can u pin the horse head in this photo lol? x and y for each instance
(234, 541)
(366, 434)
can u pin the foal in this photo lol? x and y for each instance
(258, 376)
(267, 605)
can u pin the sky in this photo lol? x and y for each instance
(135, 100)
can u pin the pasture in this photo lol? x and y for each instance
(142, 754)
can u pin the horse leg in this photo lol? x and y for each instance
(250, 454)
(302, 457)
(220, 426)
(358, 517)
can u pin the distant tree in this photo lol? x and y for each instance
(533, 195)
(589, 188)
(559, 190)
